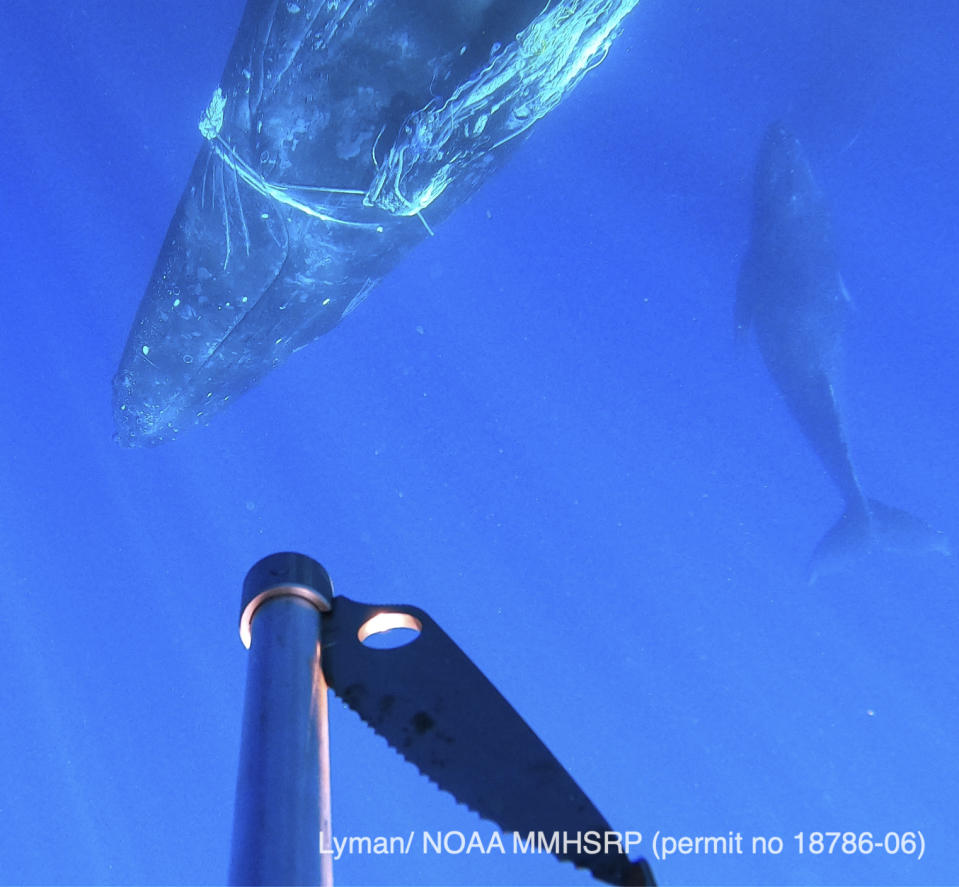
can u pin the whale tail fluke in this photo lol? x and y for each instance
(862, 530)
(899, 530)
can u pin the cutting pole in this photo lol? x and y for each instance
(282, 814)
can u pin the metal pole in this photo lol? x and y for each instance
(281, 817)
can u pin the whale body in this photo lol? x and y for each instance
(792, 296)
(341, 133)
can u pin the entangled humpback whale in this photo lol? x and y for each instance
(792, 295)
(341, 132)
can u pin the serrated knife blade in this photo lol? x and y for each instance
(437, 709)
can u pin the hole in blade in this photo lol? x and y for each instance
(386, 631)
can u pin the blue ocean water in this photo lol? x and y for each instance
(538, 428)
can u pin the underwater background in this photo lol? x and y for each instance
(539, 429)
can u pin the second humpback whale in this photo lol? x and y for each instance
(342, 130)
(791, 294)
